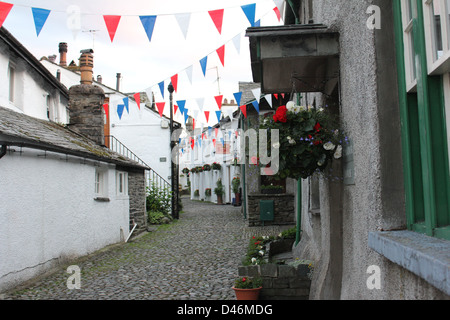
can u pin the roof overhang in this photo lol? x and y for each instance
(304, 58)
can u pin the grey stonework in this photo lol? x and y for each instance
(136, 191)
(85, 110)
(284, 213)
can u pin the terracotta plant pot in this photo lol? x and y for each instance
(247, 294)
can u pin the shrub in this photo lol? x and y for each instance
(155, 217)
(159, 199)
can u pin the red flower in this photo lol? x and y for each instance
(317, 127)
(244, 279)
(280, 115)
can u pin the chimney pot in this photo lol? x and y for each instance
(63, 54)
(99, 79)
(118, 81)
(86, 66)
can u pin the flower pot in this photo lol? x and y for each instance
(238, 199)
(247, 294)
(219, 199)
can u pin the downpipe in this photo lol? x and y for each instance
(131, 232)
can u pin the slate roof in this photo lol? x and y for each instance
(18, 129)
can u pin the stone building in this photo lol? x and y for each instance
(379, 231)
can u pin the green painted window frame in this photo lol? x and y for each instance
(424, 137)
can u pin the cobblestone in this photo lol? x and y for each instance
(194, 258)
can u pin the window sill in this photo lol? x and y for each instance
(427, 257)
(101, 199)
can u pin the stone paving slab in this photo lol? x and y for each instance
(194, 258)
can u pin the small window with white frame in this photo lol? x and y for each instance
(101, 184)
(409, 8)
(121, 183)
(437, 35)
(11, 78)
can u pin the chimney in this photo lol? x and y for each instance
(86, 103)
(118, 76)
(63, 54)
(99, 79)
(86, 66)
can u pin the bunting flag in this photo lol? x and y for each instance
(40, 17)
(237, 43)
(174, 80)
(126, 103)
(257, 93)
(249, 11)
(218, 114)
(207, 116)
(175, 109)
(203, 63)
(244, 110)
(256, 105)
(161, 88)
(120, 110)
(188, 72)
(214, 142)
(183, 20)
(200, 103)
(268, 98)
(192, 141)
(148, 22)
(277, 12)
(238, 96)
(217, 18)
(137, 98)
(181, 104)
(186, 117)
(221, 54)
(106, 108)
(280, 7)
(5, 8)
(216, 131)
(219, 100)
(112, 22)
(160, 106)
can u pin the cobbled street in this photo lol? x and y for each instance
(194, 258)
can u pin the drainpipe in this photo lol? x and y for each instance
(3, 150)
(299, 212)
(135, 225)
(244, 189)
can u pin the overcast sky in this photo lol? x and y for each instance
(142, 63)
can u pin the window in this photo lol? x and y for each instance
(122, 183)
(101, 184)
(11, 76)
(437, 35)
(409, 7)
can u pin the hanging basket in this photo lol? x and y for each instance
(247, 294)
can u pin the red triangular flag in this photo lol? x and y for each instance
(219, 100)
(214, 142)
(106, 108)
(277, 12)
(216, 130)
(175, 108)
(137, 98)
(244, 110)
(221, 53)
(193, 123)
(275, 95)
(160, 106)
(112, 22)
(174, 80)
(5, 8)
(217, 18)
(207, 116)
(192, 143)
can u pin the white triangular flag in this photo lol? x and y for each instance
(237, 43)
(257, 93)
(200, 102)
(189, 73)
(183, 20)
(149, 93)
(280, 5)
(268, 98)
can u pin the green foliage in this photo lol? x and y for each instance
(208, 192)
(235, 184)
(288, 234)
(155, 217)
(256, 250)
(159, 199)
(248, 283)
(219, 190)
(196, 193)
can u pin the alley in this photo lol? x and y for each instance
(194, 258)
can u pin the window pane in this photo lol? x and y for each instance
(412, 56)
(436, 25)
(11, 84)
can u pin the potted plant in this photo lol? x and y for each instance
(235, 184)
(271, 189)
(219, 191)
(216, 166)
(247, 288)
(206, 167)
(185, 170)
(196, 193)
(208, 192)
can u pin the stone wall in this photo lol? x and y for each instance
(280, 282)
(284, 210)
(136, 191)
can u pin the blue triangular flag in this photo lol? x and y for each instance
(125, 101)
(218, 114)
(120, 110)
(203, 63)
(256, 105)
(257, 23)
(39, 16)
(161, 87)
(181, 104)
(209, 131)
(149, 24)
(238, 96)
(223, 141)
(249, 11)
(186, 117)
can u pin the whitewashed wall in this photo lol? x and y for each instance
(49, 214)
